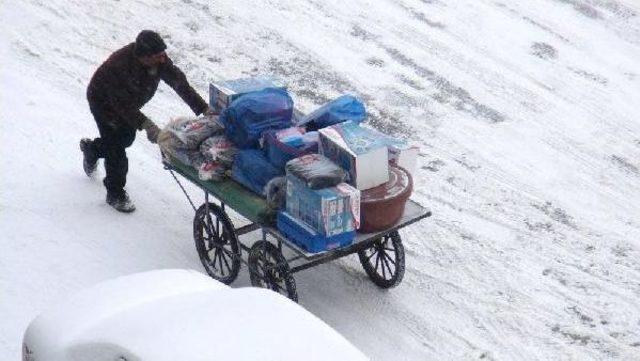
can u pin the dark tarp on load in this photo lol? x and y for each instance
(316, 171)
(253, 113)
(252, 169)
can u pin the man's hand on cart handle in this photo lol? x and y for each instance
(152, 130)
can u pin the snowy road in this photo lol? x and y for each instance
(526, 113)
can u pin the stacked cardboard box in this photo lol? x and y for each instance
(221, 94)
(329, 211)
(307, 237)
(401, 153)
(359, 151)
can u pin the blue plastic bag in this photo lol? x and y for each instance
(346, 107)
(252, 169)
(253, 113)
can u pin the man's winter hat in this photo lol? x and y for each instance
(149, 43)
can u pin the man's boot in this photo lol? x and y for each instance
(120, 201)
(90, 160)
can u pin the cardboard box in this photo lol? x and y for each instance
(329, 211)
(401, 153)
(306, 237)
(359, 151)
(404, 155)
(221, 94)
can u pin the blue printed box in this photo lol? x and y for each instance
(359, 151)
(329, 211)
(306, 237)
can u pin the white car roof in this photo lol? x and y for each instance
(181, 315)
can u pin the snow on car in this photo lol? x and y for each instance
(180, 315)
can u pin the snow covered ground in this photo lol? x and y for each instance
(526, 112)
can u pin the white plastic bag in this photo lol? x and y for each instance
(193, 131)
(211, 170)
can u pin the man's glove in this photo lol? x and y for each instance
(152, 130)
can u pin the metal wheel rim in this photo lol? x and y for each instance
(269, 269)
(383, 258)
(218, 257)
(269, 273)
(216, 241)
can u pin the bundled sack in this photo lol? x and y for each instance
(276, 193)
(189, 157)
(252, 169)
(253, 113)
(211, 170)
(220, 149)
(171, 145)
(218, 153)
(346, 107)
(168, 143)
(316, 171)
(193, 131)
(284, 145)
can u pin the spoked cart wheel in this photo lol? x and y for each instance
(384, 260)
(216, 243)
(269, 269)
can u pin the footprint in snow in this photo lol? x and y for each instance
(544, 51)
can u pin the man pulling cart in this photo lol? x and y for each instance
(318, 187)
(122, 85)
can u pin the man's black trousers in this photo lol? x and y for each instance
(114, 138)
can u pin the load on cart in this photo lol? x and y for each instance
(320, 185)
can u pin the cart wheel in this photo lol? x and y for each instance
(269, 269)
(216, 243)
(384, 260)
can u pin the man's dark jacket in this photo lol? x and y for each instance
(122, 85)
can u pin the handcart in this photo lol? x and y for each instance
(221, 252)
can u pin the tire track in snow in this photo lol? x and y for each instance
(447, 92)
